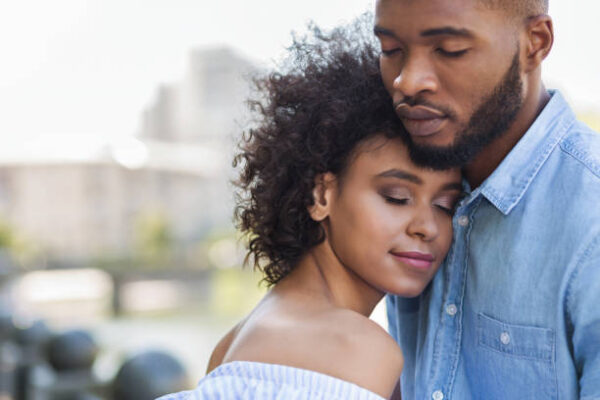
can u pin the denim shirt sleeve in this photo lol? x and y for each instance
(583, 306)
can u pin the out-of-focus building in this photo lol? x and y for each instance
(83, 198)
(207, 104)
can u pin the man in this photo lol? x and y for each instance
(515, 313)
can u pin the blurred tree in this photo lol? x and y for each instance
(6, 236)
(17, 248)
(153, 238)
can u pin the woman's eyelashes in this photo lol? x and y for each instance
(396, 195)
(444, 203)
(447, 204)
(395, 200)
(449, 211)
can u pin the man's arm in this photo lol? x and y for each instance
(583, 307)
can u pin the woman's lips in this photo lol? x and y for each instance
(421, 261)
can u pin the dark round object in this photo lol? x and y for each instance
(72, 350)
(34, 334)
(149, 375)
(7, 324)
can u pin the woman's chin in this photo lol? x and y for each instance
(407, 290)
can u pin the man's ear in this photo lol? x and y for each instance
(322, 196)
(539, 41)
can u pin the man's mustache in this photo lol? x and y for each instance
(412, 102)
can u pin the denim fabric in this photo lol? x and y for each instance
(514, 312)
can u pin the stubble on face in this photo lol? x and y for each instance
(491, 119)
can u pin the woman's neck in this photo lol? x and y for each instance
(322, 276)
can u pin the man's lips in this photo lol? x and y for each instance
(422, 261)
(420, 120)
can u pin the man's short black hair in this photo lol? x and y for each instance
(519, 8)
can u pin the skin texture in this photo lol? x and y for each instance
(452, 73)
(381, 205)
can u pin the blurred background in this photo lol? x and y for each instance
(119, 260)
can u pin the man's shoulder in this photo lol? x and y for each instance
(581, 144)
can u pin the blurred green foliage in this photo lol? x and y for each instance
(235, 291)
(153, 238)
(22, 251)
(7, 236)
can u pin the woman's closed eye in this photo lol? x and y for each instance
(446, 203)
(396, 195)
(395, 200)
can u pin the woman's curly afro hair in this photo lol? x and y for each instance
(327, 97)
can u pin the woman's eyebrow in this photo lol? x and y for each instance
(399, 174)
(453, 186)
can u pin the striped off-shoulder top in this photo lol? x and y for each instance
(245, 380)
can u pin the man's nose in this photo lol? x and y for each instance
(416, 76)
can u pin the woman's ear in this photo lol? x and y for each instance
(322, 196)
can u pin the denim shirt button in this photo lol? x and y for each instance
(451, 310)
(505, 338)
(437, 395)
(463, 220)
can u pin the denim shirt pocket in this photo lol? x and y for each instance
(520, 358)
(516, 340)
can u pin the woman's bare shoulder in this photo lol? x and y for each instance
(366, 353)
(222, 348)
(336, 342)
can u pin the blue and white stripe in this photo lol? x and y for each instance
(245, 380)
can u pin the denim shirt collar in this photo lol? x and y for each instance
(505, 187)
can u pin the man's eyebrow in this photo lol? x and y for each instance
(447, 31)
(396, 173)
(379, 31)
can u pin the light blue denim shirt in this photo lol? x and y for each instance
(514, 313)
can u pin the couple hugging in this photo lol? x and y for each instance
(420, 158)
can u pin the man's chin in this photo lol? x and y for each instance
(440, 157)
(441, 140)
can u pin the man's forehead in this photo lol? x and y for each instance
(420, 16)
(449, 8)
(477, 4)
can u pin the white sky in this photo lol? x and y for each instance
(91, 66)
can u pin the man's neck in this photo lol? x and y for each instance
(484, 164)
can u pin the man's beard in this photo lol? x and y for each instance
(489, 121)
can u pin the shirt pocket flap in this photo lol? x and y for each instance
(516, 340)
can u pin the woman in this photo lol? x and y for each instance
(337, 215)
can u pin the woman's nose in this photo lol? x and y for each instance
(424, 225)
